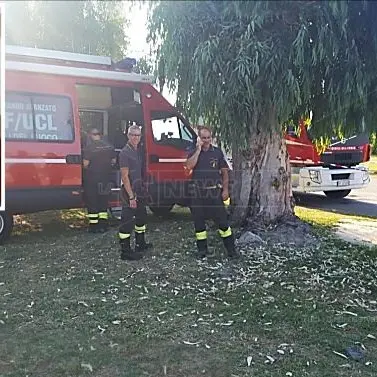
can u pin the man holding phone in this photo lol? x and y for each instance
(210, 189)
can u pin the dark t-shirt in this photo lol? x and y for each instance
(99, 154)
(131, 159)
(207, 172)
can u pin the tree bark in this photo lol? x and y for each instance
(262, 176)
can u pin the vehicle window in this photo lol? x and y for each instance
(185, 132)
(33, 117)
(89, 119)
(169, 129)
(293, 131)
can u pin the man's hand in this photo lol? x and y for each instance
(85, 163)
(193, 160)
(133, 203)
(199, 143)
(225, 194)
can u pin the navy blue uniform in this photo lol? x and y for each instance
(96, 182)
(133, 218)
(206, 199)
(207, 170)
(131, 158)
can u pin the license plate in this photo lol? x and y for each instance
(344, 182)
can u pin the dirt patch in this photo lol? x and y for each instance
(290, 232)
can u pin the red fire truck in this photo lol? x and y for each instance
(53, 97)
(335, 172)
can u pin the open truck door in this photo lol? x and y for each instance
(168, 140)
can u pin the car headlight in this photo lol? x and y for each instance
(365, 171)
(365, 175)
(315, 176)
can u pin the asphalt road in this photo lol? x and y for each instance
(361, 202)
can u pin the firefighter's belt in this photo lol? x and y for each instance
(200, 187)
(218, 186)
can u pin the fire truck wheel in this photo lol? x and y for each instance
(161, 211)
(337, 194)
(6, 226)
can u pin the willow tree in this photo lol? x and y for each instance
(247, 67)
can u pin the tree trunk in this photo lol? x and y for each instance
(262, 176)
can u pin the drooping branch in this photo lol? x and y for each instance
(250, 67)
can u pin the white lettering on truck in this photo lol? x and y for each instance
(24, 121)
(44, 122)
(36, 121)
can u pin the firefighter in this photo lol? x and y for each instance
(98, 159)
(134, 213)
(210, 192)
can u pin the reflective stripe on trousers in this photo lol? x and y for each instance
(93, 218)
(124, 236)
(225, 233)
(103, 215)
(140, 229)
(201, 235)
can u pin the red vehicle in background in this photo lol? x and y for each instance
(348, 152)
(335, 172)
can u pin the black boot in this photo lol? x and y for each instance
(93, 228)
(93, 221)
(140, 244)
(103, 225)
(126, 251)
(103, 222)
(230, 247)
(202, 248)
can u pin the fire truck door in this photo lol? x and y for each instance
(167, 147)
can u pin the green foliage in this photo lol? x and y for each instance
(234, 62)
(373, 142)
(90, 27)
(144, 65)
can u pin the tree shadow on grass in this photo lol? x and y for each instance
(47, 225)
(52, 225)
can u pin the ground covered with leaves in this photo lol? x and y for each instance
(70, 307)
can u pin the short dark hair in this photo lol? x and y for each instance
(204, 128)
(94, 130)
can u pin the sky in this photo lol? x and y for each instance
(137, 33)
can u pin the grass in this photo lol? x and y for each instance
(70, 307)
(318, 217)
(372, 165)
(325, 219)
